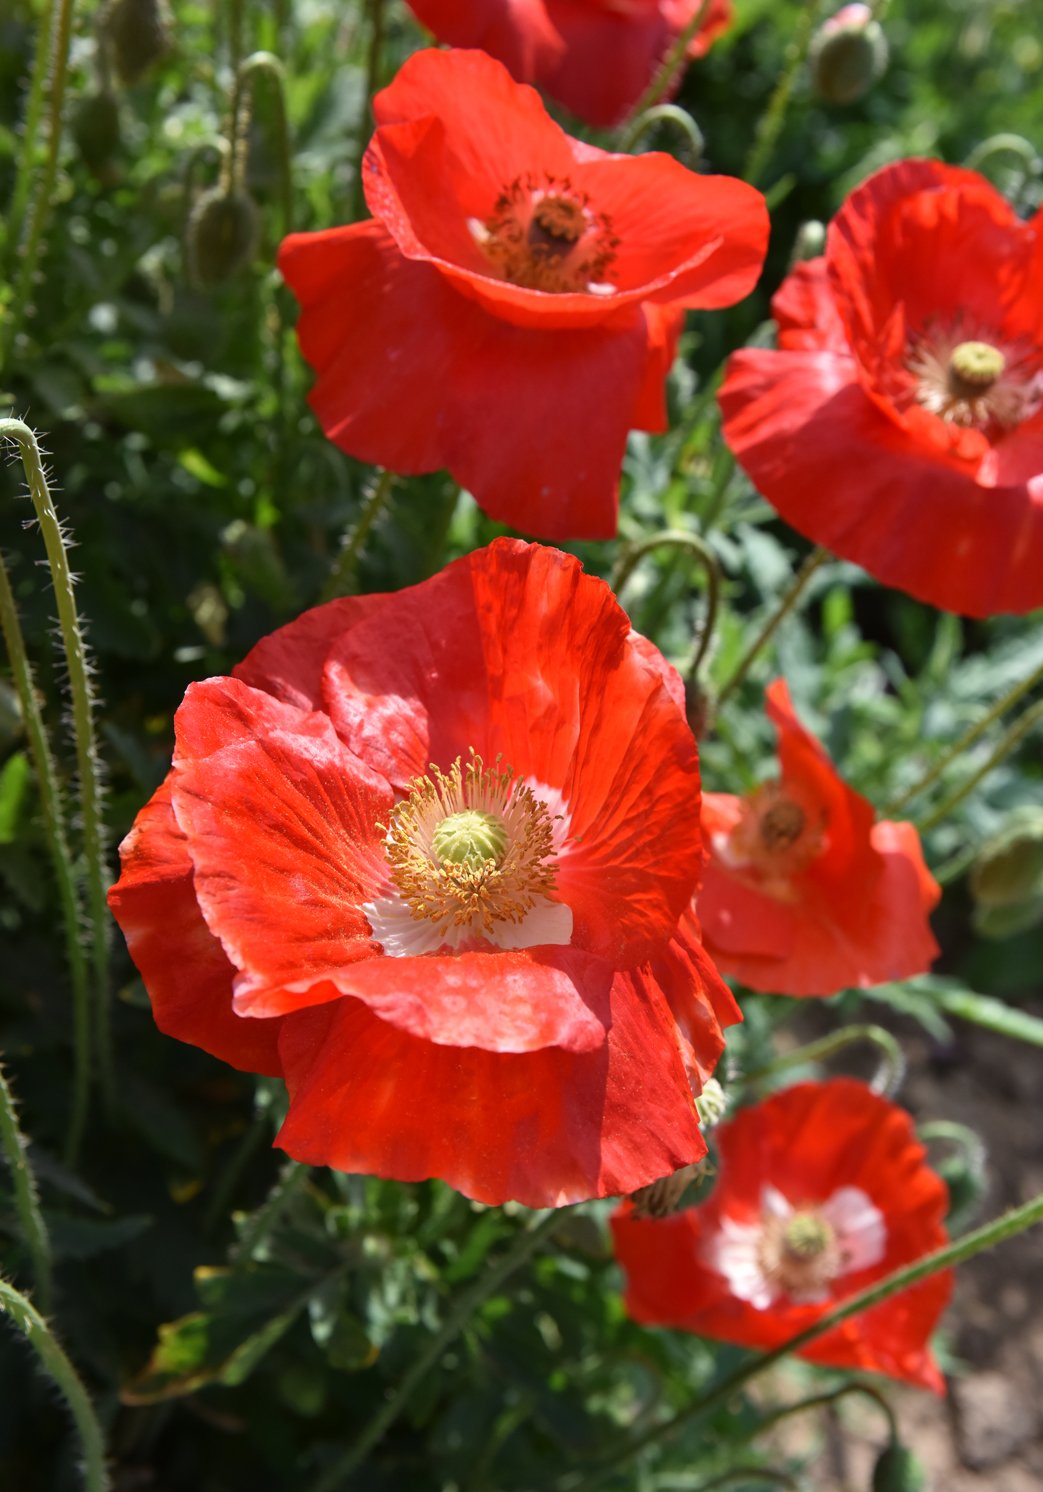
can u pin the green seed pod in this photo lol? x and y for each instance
(136, 35)
(96, 131)
(221, 236)
(898, 1470)
(848, 55)
(1009, 870)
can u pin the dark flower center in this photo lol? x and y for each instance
(782, 824)
(545, 235)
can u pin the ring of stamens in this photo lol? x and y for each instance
(471, 847)
(971, 382)
(800, 1254)
(543, 234)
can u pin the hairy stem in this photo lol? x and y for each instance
(27, 1202)
(56, 832)
(665, 78)
(373, 64)
(60, 1369)
(339, 581)
(892, 1059)
(88, 761)
(470, 1301)
(815, 559)
(678, 539)
(30, 130)
(1007, 743)
(769, 127)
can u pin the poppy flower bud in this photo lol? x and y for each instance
(96, 131)
(898, 1470)
(221, 236)
(848, 55)
(712, 1103)
(810, 241)
(700, 707)
(137, 36)
(1007, 878)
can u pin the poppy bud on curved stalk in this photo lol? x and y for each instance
(136, 34)
(848, 55)
(96, 131)
(1006, 880)
(221, 235)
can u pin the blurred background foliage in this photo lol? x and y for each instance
(230, 1348)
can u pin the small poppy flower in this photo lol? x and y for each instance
(900, 420)
(805, 892)
(821, 1190)
(514, 308)
(597, 57)
(429, 857)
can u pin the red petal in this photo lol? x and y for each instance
(186, 973)
(533, 422)
(532, 660)
(847, 477)
(288, 663)
(805, 311)
(516, 32)
(543, 1128)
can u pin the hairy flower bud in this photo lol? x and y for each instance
(136, 34)
(898, 1470)
(848, 55)
(221, 235)
(1006, 880)
(96, 131)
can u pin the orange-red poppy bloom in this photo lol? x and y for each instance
(821, 1190)
(484, 969)
(900, 420)
(597, 57)
(514, 307)
(806, 892)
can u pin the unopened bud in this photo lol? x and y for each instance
(661, 1197)
(136, 34)
(96, 131)
(221, 235)
(810, 241)
(848, 55)
(711, 1104)
(1007, 878)
(898, 1470)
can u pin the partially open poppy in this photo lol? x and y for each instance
(597, 57)
(514, 308)
(900, 420)
(821, 1190)
(805, 892)
(429, 856)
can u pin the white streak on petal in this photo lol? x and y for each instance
(859, 1227)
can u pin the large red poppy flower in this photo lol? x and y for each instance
(821, 1190)
(514, 308)
(805, 892)
(900, 421)
(597, 57)
(484, 969)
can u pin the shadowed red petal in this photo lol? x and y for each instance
(806, 312)
(534, 424)
(186, 973)
(532, 661)
(516, 32)
(807, 1142)
(544, 1128)
(847, 477)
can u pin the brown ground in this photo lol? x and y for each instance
(987, 1435)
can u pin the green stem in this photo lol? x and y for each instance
(87, 757)
(470, 1301)
(29, 252)
(665, 114)
(965, 742)
(1010, 739)
(815, 559)
(736, 1475)
(964, 1138)
(827, 1401)
(667, 74)
(30, 130)
(373, 55)
(985, 1237)
(60, 1369)
(892, 1065)
(771, 121)
(677, 539)
(27, 1202)
(56, 832)
(289, 1182)
(340, 577)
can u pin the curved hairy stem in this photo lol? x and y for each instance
(672, 64)
(678, 539)
(60, 1369)
(27, 1202)
(88, 761)
(56, 832)
(892, 1064)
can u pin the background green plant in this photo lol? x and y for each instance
(237, 1319)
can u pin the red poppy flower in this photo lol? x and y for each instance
(514, 309)
(597, 57)
(900, 421)
(805, 893)
(821, 1190)
(482, 970)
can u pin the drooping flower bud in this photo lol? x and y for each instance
(221, 235)
(96, 131)
(898, 1470)
(1006, 881)
(848, 55)
(136, 35)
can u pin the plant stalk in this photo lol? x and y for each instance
(892, 1059)
(664, 79)
(1010, 739)
(769, 126)
(677, 539)
(27, 1201)
(815, 559)
(339, 580)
